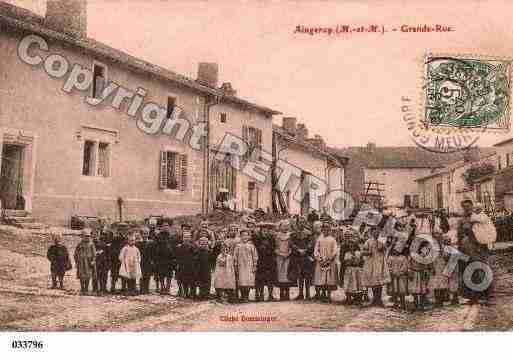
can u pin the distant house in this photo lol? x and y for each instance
(504, 176)
(472, 176)
(392, 170)
(311, 156)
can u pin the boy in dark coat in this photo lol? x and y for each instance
(302, 262)
(203, 274)
(266, 266)
(165, 258)
(185, 254)
(102, 265)
(119, 240)
(145, 247)
(59, 261)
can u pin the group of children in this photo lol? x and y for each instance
(402, 262)
(235, 259)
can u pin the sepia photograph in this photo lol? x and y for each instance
(254, 166)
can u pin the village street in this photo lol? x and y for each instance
(28, 305)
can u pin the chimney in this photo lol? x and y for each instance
(67, 16)
(289, 125)
(471, 155)
(228, 90)
(318, 142)
(208, 73)
(371, 146)
(302, 131)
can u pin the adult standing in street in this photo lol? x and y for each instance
(476, 272)
(85, 260)
(59, 261)
(325, 254)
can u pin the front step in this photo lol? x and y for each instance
(15, 213)
(33, 225)
(12, 219)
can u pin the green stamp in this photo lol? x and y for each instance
(466, 92)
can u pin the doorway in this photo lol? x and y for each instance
(11, 177)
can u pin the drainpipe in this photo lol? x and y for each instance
(205, 195)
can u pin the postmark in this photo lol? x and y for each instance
(444, 140)
(466, 92)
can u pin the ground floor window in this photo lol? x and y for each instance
(173, 170)
(253, 194)
(96, 159)
(223, 178)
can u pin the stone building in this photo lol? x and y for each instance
(472, 176)
(87, 129)
(314, 162)
(392, 170)
(504, 176)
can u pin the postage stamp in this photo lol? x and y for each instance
(466, 92)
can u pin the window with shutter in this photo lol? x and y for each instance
(88, 159)
(171, 101)
(103, 159)
(245, 138)
(163, 170)
(183, 172)
(173, 171)
(99, 80)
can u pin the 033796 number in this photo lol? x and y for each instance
(27, 344)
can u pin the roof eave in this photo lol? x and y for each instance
(134, 63)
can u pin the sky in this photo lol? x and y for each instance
(347, 88)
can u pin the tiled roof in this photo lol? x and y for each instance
(308, 147)
(23, 20)
(504, 142)
(401, 157)
(484, 153)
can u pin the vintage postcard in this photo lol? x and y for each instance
(255, 166)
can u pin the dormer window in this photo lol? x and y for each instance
(99, 80)
(171, 103)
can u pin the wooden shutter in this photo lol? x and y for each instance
(233, 190)
(183, 172)
(170, 106)
(99, 84)
(245, 138)
(258, 145)
(163, 170)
